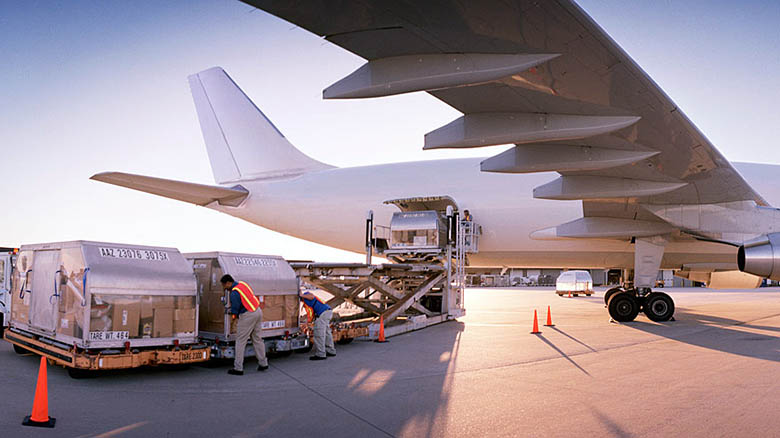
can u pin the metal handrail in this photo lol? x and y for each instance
(24, 284)
(56, 292)
(84, 289)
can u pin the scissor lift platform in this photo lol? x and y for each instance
(408, 296)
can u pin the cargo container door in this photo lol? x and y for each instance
(43, 303)
(5, 290)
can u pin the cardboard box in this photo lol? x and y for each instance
(126, 316)
(147, 308)
(67, 325)
(163, 323)
(292, 310)
(164, 302)
(184, 320)
(184, 314)
(185, 302)
(100, 324)
(274, 308)
(184, 326)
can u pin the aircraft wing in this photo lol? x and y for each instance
(541, 75)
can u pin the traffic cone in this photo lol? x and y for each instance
(569, 294)
(535, 331)
(40, 411)
(381, 337)
(549, 318)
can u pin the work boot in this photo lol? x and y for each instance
(235, 372)
(262, 367)
(317, 358)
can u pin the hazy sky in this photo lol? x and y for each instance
(101, 85)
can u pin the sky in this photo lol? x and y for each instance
(92, 86)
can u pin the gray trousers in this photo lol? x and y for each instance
(250, 324)
(323, 337)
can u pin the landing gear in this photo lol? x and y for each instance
(659, 306)
(624, 305)
(608, 294)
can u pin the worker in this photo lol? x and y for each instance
(245, 306)
(323, 337)
(467, 216)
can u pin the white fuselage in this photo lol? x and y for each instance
(329, 207)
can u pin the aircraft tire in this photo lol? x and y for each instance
(623, 307)
(608, 294)
(659, 307)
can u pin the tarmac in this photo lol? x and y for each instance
(713, 372)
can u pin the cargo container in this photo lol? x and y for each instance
(100, 305)
(272, 280)
(574, 283)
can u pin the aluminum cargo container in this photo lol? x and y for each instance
(97, 295)
(272, 280)
(574, 282)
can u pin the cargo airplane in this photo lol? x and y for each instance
(603, 169)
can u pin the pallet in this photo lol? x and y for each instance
(106, 359)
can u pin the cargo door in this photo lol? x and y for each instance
(43, 306)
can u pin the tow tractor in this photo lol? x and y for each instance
(427, 245)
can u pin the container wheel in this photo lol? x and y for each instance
(305, 350)
(80, 373)
(20, 350)
(344, 341)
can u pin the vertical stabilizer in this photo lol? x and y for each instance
(242, 143)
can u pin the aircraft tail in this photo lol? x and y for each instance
(242, 143)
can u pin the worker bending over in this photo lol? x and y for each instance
(323, 337)
(245, 306)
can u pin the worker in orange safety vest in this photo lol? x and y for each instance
(245, 306)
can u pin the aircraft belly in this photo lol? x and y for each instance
(329, 208)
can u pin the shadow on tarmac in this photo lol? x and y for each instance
(564, 355)
(717, 333)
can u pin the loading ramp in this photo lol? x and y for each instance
(424, 285)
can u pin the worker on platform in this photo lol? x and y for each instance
(245, 306)
(323, 337)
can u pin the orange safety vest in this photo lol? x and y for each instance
(309, 310)
(248, 298)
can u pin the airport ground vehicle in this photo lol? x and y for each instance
(7, 259)
(429, 246)
(271, 278)
(96, 306)
(574, 283)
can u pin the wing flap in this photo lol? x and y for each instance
(198, 194)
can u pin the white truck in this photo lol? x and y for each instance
(7, 258)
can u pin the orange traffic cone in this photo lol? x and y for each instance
(535, 330)
(569, 294)
(381, 337)
(549, 318)
(40, 411)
